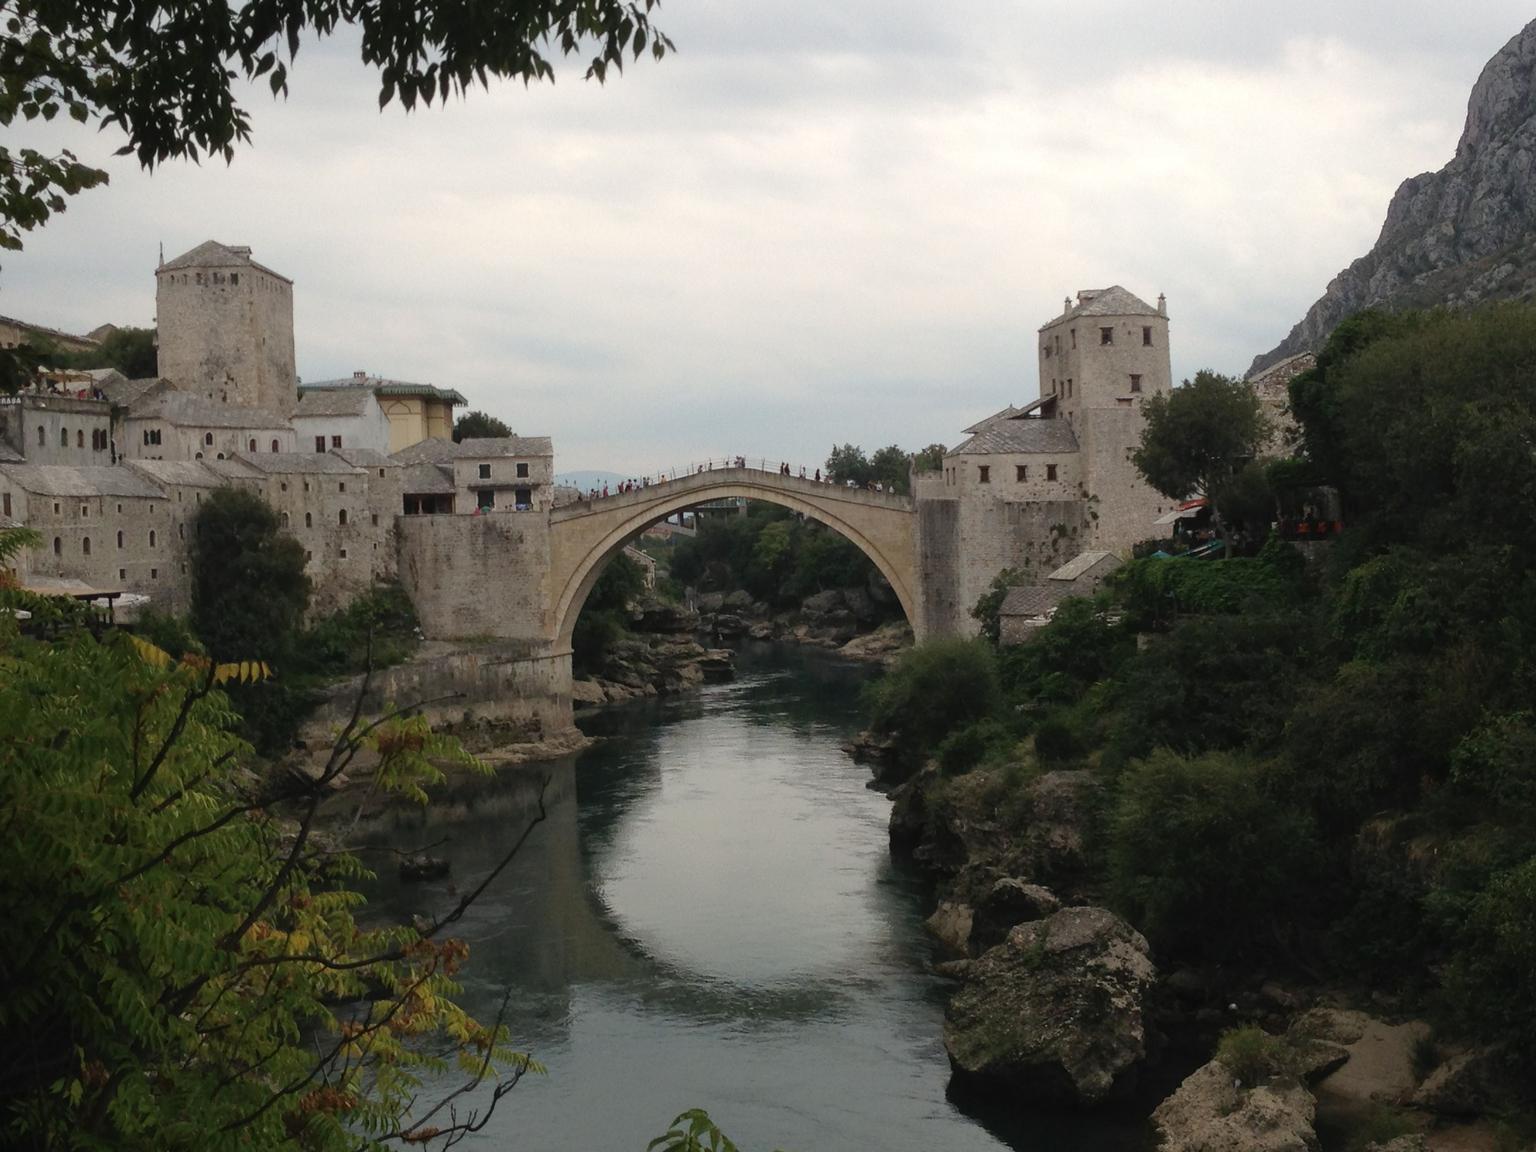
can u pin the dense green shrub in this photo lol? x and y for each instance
(1252, 1055)
(1082, 644)
(1493, 971)
(1202, 859)
(1057, 740)
(933, 690)
(974, 745)
(604, 619)
(1218, 682)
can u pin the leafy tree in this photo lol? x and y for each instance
(1201, 857)
(474, 425)
(182, 968)
(167, 77)
(933, 690)
(131, 351)
(892, 467)
(849, 463)
(988, 608)
(1198, 438)
(604, 618)
(930, 459)
(249, 590)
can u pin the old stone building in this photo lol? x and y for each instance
(1035, 485)
(329, 419)
(226, 328)
(415, 412)
(1273, 387)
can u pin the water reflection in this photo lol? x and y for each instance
(709, 916)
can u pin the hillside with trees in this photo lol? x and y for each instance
(1321, 770)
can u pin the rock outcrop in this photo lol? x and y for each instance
(1212, 1112)
(1055, 1012)
(1462, 235)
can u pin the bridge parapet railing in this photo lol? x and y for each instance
(641, 485)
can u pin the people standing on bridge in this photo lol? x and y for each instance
(818, 475)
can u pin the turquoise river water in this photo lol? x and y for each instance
(709, 916)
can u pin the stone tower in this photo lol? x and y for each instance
(226, 328)
(1101, 360)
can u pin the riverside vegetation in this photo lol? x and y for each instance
(1315, 772)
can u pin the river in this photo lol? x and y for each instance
(709, 916)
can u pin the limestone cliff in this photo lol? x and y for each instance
(1464, 234)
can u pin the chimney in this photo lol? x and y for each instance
(1162, 304)
(359, 377)
(1066, 303)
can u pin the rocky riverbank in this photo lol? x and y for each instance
(1058, 999)
(853, 621)
(670, 649)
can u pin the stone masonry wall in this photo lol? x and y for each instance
(477, 576)
(228, 339)
(57, 429)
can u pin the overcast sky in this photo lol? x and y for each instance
(818, 222)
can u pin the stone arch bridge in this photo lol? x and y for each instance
(585, 535)
(505, 589)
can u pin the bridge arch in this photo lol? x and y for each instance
(584, 536)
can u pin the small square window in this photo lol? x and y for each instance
(85, 510)
(341, 486)
(1106, 335)
(375, 521)
(335, 441)
(1146, 337)
(1050, 471)
(984, 473)
(343, 553)
(1135, 383)
(485, 471)
(122, 573)
(1021, 472)
(522, 471)
(154, 573)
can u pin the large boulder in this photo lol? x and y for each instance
(950, 926)
(662, 616)
(1468, 1084)
(1008, 903)
(821, 604)
(1055, 1012)
(1213, 1112)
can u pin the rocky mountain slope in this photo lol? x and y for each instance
(1464, 234)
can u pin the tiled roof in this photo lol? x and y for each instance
(294, 463)
(1031, 600)
(87, 480)
(479, 447)
(434, 450)
(192, 473)
(124, 393)
(382, 386)
(1019, 435)
(1080, 564)
(9, 455)
(212, 254)
(1114, 301)
(425, 479)
(334, 402)
(1008, 413)
(365, 457)
(189, 411)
